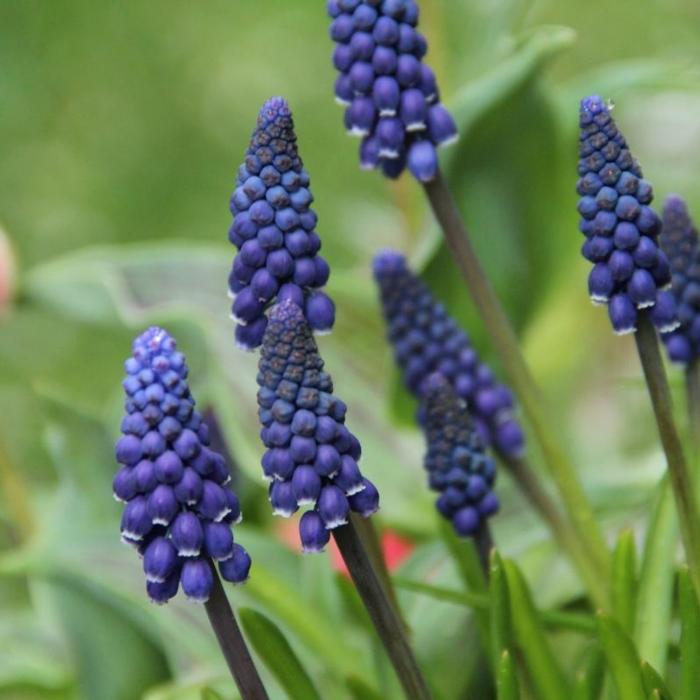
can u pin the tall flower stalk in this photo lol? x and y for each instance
(178, 509)
(312, 462)
(630, 276)
(393, 103)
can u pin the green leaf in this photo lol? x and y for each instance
(209, 694)
(589, 681)
(543, 670)
(690, 637)
(655, 597)
(624, 584)
(507, 678)
(654, 682)
(500, 613)
(622, 659)
(361, 691)
(272, 647)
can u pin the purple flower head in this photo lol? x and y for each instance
(178, 511)
(426, 340)
(274, 230)
(679, 240)
(630, 271)
(311, 458)
(390, 96)
(458, 467)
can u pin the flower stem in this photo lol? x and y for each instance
(483, 541)
(232, 644)
(679, 475)
(692, 389)
(383, 616)
(559, 526)
(506, 344)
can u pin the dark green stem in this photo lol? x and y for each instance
(483, 541)
(692, 389)
(232, 644)
(680, 476)
(383, 616)
(506, 345)
(560, 527)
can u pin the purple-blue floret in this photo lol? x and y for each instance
(179, 508)
(311, 458)
(274, 230)
(458, 467)
(679, 240)
(630, 271)
(390, 95)
(426, 340)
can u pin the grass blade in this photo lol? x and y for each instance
(507, 679)
(653, 682)
(622, 659)
(589, 681)
(690, 638)
(624, 581)
(274, 649)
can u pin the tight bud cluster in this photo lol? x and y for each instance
(457, 465)
(311, 458)
(427, 340)
(630, 270)
(679, 240)
(274, 230)
(179, 510)
(391, 96)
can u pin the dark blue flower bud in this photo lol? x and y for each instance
(426, 340)
(333, 507)
(236, 568)
(213, 505)
(218, 540)
(630, 266)
(366, 501)
(128, 450)
(187, 534)
(161, 592)
(189, 489)
(306, 485)
(136, 522)
(125, 485)
(160, 560)
(197, 579)
(283, 499)
(422, 161)
(349, 479)
(162, 505)
(168, 468)
(312, 532)
(274, 225)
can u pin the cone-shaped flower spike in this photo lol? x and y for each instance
(179, 510)
(679, 240)
(426, 340)
(630, 270)
(274, 230)
(458, 467)
(391, 96)
(311, 458)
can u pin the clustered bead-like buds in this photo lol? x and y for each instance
(457, 465)
(179, 510)
(391, 96)
(274, 230)
(630, 271)
(679, 240)
(426, 340)
(311, 458)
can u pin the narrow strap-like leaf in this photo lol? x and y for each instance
(654, 682)
(507, 678)
(624, 583)
(622, 659)
(690, 638)
(274, 649)
(589, 681)
(500, 613)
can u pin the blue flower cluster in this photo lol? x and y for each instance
(427, 340)
(274, 229)
(178, 512)
(630, 270)
(311, 457)
(391, 96)
(679, 240)
(457, 465)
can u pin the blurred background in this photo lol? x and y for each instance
(121, 130)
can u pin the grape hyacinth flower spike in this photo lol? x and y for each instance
(459, 468)
(679, 240)
(312, 461)
(274, 230)
(179, 510)
(630, 274)
(630, 271)
(390, 95)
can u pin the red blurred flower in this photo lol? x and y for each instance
(395, 547)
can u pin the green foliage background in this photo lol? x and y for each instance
(121, 129)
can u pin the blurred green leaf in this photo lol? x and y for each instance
(690, 637)
(624, 584)
(507, 678)
(271, 645)
(542, 668)
(500, 615)
(622, 659)
(653, 682)
(589, 681)
(359, 690)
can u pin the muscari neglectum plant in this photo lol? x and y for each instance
(630, 274)
(394, 105)
(179, 510)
